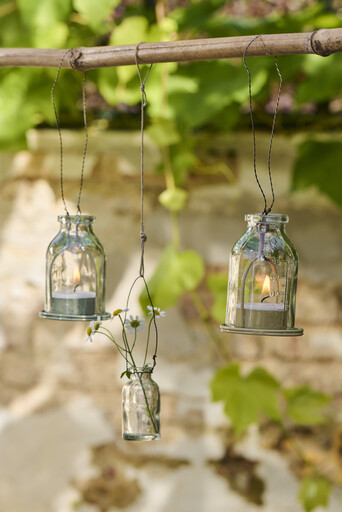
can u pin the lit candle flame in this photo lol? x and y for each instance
(266, 286)
(76, 278)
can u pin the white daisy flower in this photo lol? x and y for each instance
(134, 324)
(93, 327)
(118, 312)
(156, 312)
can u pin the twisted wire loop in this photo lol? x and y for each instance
(59, 129)
(84, 109)
(266, 210)
(143, 236)
(61, 150)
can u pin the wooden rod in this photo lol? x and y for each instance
(322, 42)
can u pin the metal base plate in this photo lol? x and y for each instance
(294, 331)
(73, 318)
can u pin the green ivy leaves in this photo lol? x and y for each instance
(177, 273)
(317, 165)
(314, 492)
(248, 397)
(305, 406)
(95, 12)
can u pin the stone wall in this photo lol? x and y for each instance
(60, 419)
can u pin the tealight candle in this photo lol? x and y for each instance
(69, 302)
(261, 315)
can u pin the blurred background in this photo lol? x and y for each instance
(273, 443)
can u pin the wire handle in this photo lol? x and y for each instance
(143, 236)
(84, 109)
(143, 104)
(266, 210)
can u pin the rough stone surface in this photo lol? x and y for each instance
(60, 396)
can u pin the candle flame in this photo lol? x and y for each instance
(76, 278)
(266, 286)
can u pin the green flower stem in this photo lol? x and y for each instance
(147, 404)
(110, 334)
(135, 339)
(117, 346)
(148, 338)
(176, 237)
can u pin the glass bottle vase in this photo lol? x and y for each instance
(140, 406)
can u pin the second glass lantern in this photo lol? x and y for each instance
(262, 281)
(75, 272)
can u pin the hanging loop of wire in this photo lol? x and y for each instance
(143, 104)
(266, 210)
(84, 109)
(143, 236)
(61, 150)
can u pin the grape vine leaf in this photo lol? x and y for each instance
(305, 406)
(317, 165)
(177, 273)
(314, 492)
(246, 397)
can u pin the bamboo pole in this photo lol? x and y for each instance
(322, 42)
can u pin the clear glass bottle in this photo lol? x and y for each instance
(140, 406)
(75, 272)
(262, 281)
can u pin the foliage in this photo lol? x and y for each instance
(317, 165)
(247, 397)
(314, 492)
(177, 273)
(210, 96)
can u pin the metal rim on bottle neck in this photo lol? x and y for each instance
(271, 218)
(76, 219)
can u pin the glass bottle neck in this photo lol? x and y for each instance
(265, 223)
(140, 373)
(75, 223)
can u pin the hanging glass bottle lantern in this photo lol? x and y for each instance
(262, 281)
(75, 272)
(141, 406)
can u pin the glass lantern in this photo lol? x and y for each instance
(262, 281)
(140, 406)
(75, 272)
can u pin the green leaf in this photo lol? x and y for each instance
(52, 36)
(217, 284)
(218, 85)
(163, 132)
(314, 492)
(311, 89)
(246, 398)
(317, 164)
(44, 12)
(173, 199)
(107, 82)
(177, 273)
(16, 113)
(265, 390)
(95, 12)
(306, 406)
(132, 30)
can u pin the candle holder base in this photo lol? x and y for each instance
(293, 331)
(73, 318)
